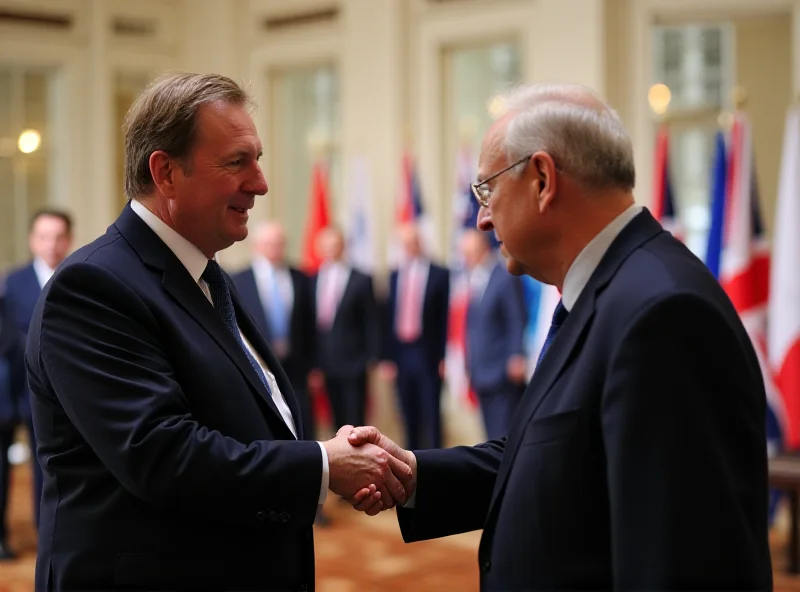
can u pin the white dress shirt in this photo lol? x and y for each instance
(264, 271)
(195, 263)
(582, 269)
(43, 271)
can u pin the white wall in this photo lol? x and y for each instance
(389, 56)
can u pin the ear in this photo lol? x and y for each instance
(545, 179)
(162, 169)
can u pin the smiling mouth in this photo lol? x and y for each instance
(240, 210)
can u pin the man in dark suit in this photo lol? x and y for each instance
(415, 337)
(637, 457)
(348, 331)
(49, 240)
(12, 396)
(168, 431)
(495, 356)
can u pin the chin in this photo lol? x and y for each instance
(514, 267)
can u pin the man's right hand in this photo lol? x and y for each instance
(369, 435)
(352, 469)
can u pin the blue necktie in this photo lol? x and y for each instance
(559, 316)
(277, 310)
(224, 307)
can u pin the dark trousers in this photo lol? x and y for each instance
(38, 478)
(6, 439)
(348, 397)
(498, 406)
(419, 388)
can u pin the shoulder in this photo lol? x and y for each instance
(657, 284)
(19, 273)
(242, 274)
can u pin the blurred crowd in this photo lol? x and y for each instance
(330, 330)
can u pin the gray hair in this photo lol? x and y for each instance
(584, 136)
(164, 117)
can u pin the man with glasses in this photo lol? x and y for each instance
(636, 459)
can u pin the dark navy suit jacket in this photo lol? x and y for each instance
(353, 341)
(299, 361)
(435, 305)
(495, 330)
(22, 291)
(166, 463)
(637, 457)
(12, 367)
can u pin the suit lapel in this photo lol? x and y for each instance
(187, 294)
(569, 339)
(250, 329)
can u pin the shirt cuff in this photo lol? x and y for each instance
(412, 501)
(326, 476)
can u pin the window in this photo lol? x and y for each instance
(695, 62)
(305, 128)
(26, 105)
(474, 75)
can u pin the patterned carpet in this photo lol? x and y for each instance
(355, 553)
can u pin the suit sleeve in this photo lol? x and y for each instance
(101, 352)
(454, 490)
(683, 418)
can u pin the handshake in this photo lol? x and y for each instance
(369, 470)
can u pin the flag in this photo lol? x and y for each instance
(410, 210)
(783, 337)
(719, 176)
(663, 199)
(318, 219)
(360, 239)
(464, 216)
(745, 260)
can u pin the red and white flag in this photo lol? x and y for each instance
(783, 337)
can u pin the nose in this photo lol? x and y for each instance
(484, 219)
(257, 183)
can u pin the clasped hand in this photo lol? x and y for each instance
(369, 470)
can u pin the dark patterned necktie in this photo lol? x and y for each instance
(559, 316)
(224, 307)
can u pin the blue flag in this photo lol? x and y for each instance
(719, 175)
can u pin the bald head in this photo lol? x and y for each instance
(410, 240)
(330, 244)
(269, 241)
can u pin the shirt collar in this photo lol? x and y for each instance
(188, 254)
(589, 258)
(43, 271)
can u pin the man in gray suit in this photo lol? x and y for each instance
(495, 326)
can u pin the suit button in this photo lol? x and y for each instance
(273, 516)
(285, 517)
(261, 515)
(487, 565)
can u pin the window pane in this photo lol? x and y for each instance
(305, 127)
(25, 104)
(474, 75)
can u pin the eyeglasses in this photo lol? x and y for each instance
(482, 191)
